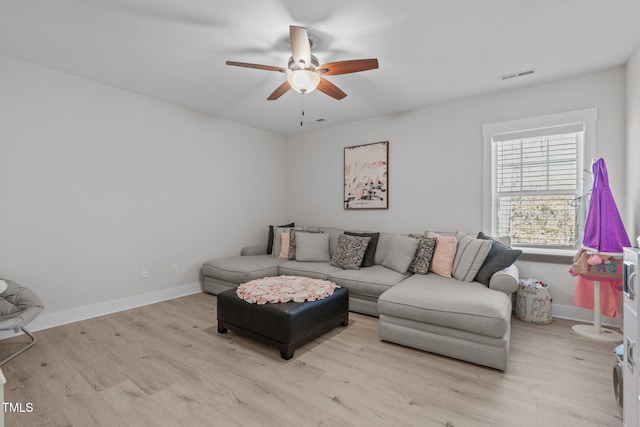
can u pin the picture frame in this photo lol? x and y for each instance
(366, 176)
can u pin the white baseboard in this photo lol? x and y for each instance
(49, 320)
(582, 315)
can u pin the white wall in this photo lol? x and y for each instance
(97, 182)
(435, 162)
(633, 145)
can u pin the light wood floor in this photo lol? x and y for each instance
(166, 365)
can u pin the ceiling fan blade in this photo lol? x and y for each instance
(325, 86)
(281, 90)
(346, 67)
(257, 66)
(300, 47)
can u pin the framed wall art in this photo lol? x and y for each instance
(366, 176)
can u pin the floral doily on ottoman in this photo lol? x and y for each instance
(284, 289)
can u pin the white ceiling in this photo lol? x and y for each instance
(429, 51)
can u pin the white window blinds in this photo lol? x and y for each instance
(537, 177)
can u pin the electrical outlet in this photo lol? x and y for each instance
(174, 268)
(144, 273)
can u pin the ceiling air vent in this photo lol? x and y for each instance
(518, 74)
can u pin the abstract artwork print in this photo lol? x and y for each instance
(366, 176)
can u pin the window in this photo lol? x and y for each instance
(535, 176)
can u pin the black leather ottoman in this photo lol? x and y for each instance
(287, 325)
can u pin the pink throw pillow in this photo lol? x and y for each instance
(284, 248)
(445, 253)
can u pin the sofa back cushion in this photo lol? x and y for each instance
(333, 233)
(383, 247)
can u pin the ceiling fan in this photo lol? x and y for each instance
(303, 72)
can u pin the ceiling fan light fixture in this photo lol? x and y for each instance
(303, 81)
(304, 74)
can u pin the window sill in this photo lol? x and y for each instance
(546, 251)
(556, 256)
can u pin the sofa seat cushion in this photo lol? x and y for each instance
(316, 270)
(241, 269)
(368, 281)
(448, 302)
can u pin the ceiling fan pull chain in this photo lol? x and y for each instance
(302, 111)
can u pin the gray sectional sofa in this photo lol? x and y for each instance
(464, 320)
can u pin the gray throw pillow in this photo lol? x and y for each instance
(470, 255)
(350, 251)
(499, 257)
(402, 250)
(313, 247)
(292, 240)
(424, 254)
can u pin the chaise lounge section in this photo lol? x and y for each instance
(462, 321)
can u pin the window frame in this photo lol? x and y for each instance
(587, 116)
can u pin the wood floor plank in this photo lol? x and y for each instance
(55, 377)
(166, 365)
(137, 407)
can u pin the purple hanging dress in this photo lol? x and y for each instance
(604, 234)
